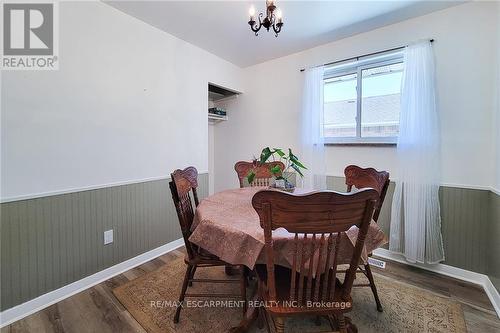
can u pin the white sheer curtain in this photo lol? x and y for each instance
(313, 148)
(415, 215)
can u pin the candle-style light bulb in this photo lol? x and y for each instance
(279, 15)
(251, 11)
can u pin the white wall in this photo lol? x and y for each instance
(211, 156)
(496, 118)
(128, 102)
(465, 50)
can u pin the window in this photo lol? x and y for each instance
(362, 100)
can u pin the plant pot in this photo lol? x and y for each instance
(280, 183)
(283, 185)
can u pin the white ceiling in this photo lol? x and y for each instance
(221, 27)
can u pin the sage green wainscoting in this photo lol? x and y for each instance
(471, 232)
(494, 240)
(465, 222)
(49, 242)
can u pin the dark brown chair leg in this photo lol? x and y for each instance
(183, 293)
(350, 327)
(248, 274)
(266, 320)
(193, 270)
(333, 322)
(243, 288)
(341, 323)
(260, 319)
(280, 325)
(369, 275)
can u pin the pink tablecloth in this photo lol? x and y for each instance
(226, 225)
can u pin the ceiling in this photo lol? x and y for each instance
(221, 27)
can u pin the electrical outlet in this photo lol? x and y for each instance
(108, 237)
(376, 262)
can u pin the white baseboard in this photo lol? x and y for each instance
(25, 309)
(492, 293)
(454, 272)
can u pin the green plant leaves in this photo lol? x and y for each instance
(279, 152)
(290, 160)
(275, 170)
(295, 160)
(298, 163)
(296, 168)
(251, 176)
(265, 154)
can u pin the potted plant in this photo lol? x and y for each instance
(290, 161)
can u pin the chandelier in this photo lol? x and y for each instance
(272, 19)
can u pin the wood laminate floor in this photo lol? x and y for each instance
(97, 310)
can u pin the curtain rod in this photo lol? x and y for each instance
(365, 55)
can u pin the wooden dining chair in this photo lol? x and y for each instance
(378, 180)
(262, 173)
(317, 221)
(183, 183)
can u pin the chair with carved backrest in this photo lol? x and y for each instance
(183, 183)
(262, 172)
(317, 221)
(378, 180)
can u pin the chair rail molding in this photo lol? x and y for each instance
(495, 190)
(443, 184)
(86, 188)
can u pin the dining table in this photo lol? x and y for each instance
(227, 225)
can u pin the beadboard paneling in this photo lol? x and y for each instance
(494, 241)
(52, 241)
(466, 224)
(466, 217)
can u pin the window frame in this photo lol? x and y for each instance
(357, 68)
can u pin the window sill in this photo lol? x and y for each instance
(362, 144)
(388, 141)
